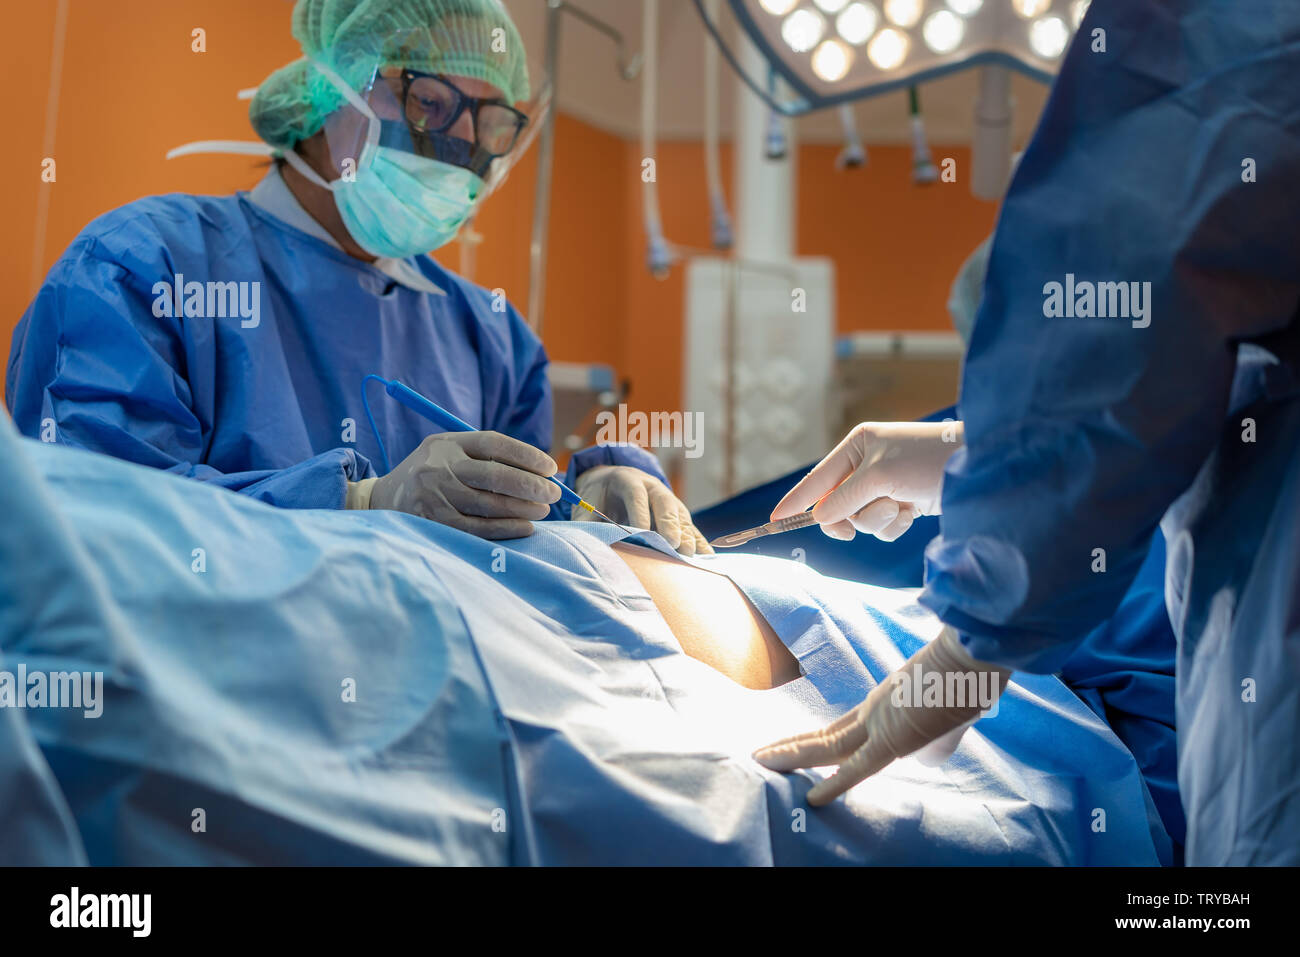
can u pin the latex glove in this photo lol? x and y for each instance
(877, 480)
(890, 725)
(484, 483)
(637, 499)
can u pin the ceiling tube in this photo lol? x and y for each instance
(719, 218)
(991, 147)
(658, 255)
(854, 154)
(924, 172)
(545, 163)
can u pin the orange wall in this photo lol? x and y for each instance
(132, 88)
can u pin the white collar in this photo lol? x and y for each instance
(273, 196)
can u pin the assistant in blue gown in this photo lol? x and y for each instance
(272, 409)
(1171, 159)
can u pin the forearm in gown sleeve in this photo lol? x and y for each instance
(1081, 432)
(94, 359)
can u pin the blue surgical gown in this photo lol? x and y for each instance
(270, 407)
(1169, 159)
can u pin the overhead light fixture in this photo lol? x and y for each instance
(828, 53)
(886, 45)
(889, 49)
(803, 29)
(1030, 8)
(1049, 37)
(831, 60)
(857, 23)
(903, 13)
(943, 31)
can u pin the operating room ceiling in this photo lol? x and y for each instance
(591, 89)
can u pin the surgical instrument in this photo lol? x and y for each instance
(802, 520)
(451, 423)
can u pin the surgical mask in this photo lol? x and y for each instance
(398, 204)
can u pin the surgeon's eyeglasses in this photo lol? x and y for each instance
(433, 104)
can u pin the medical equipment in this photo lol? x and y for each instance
(924, 172)
(720, 229)
(452, 423)
(832, 52)
(854, 154)
(828, 60)
(758, 381)
(878, 480)
(790, 524)
(659, 257)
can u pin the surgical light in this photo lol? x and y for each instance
(1049, 36)
(802, 29)
(904, 13)
(943, 31)
(889, 49)
(1030, 8)
(857, 23)
(824, 54)
(1078, 10)
(832, 60)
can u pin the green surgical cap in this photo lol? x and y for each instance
(470, 38)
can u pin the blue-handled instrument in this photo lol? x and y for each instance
(453, 423)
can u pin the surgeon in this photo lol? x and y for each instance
(226, 338)
(1170, 399)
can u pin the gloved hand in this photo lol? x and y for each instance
(484, 483)
(639, 500)
(894, 721)
(879, 479)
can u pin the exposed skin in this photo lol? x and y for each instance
(712, 619)
(384, 100)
